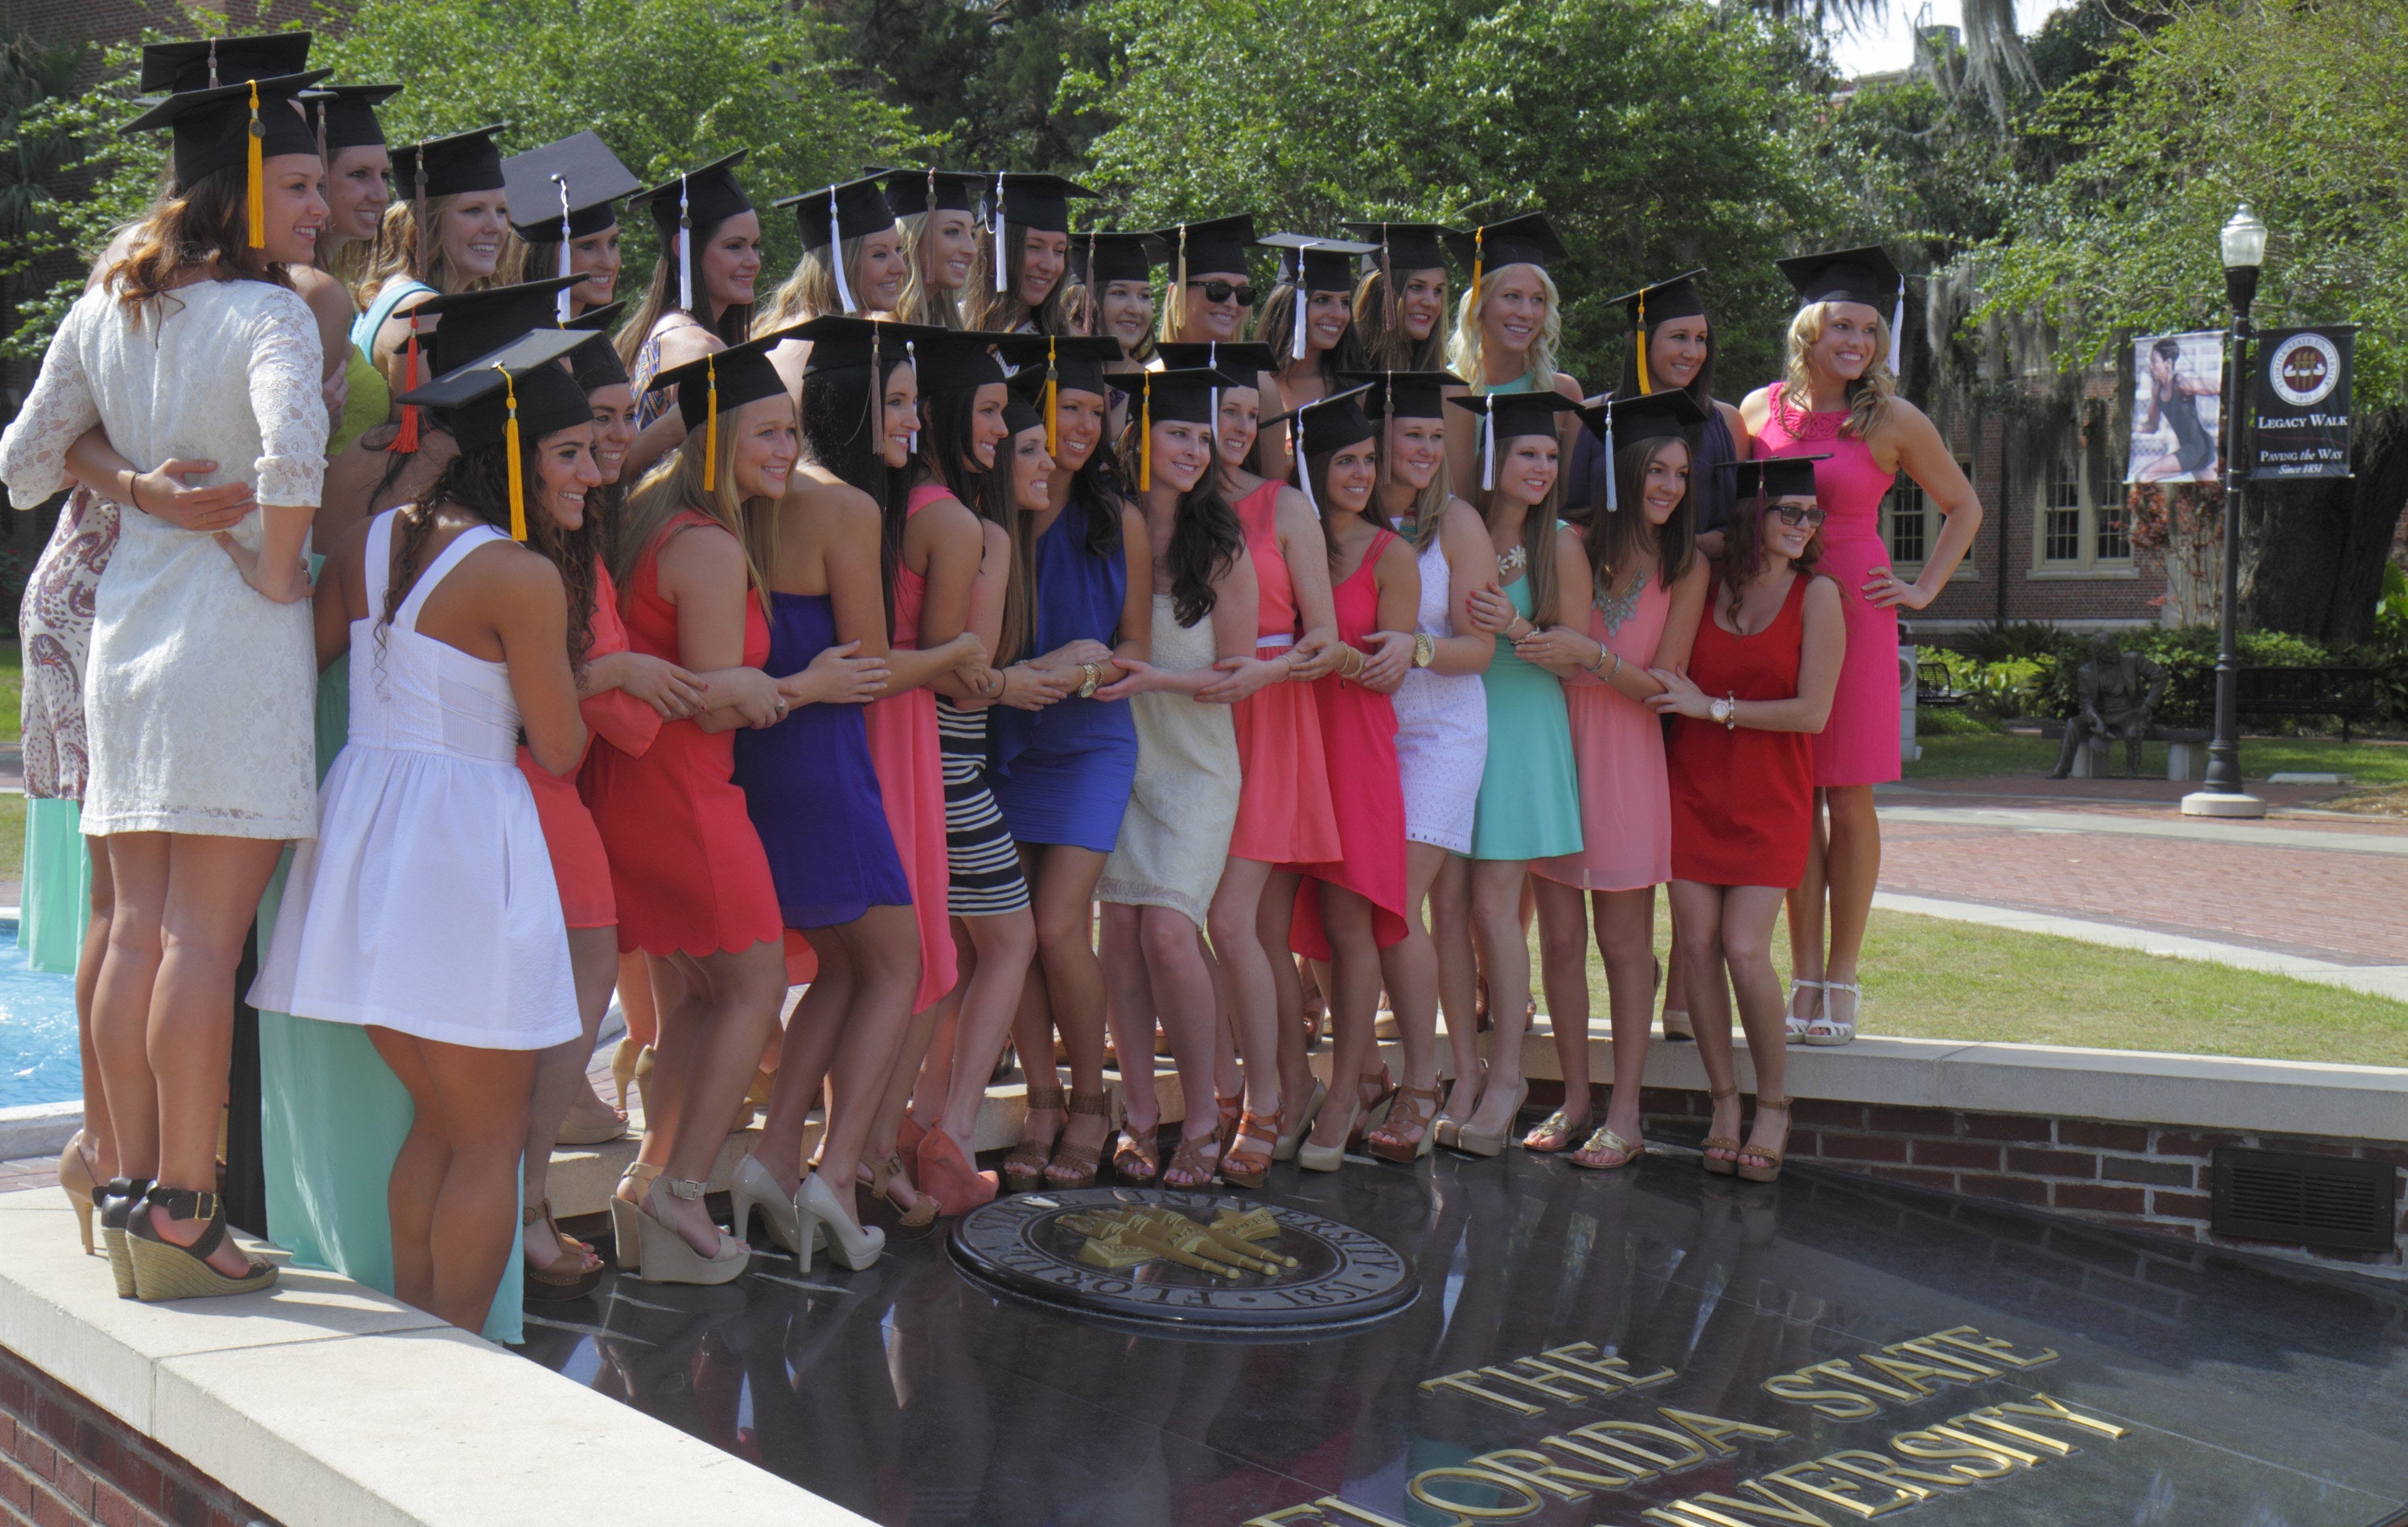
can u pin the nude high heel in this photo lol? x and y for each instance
(1322, 1157)
(1294, 1127)
(624, 1207)
(666, 1257)
(1479, 1142)
(624, 1060)
(75, 1181)
(753, 1189)
(851, 1247)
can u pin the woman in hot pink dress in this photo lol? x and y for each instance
(1838, 397)
(1641, 546)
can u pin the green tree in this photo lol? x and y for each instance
(981, 80)
(1658, 134)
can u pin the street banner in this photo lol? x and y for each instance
(2177, 409)
(2302, 403)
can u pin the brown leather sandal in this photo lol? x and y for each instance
(922, 1212)
(1409, 1131)
(1023, 1170)
(1137, 1158)
(1194, 1162)
(1244, 1168)
(1712, 1142)
(1075, 1165)
(1771, 1169)
(1383, 1091)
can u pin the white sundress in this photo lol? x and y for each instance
(199, 693)
(426, 904)
(1441, 728)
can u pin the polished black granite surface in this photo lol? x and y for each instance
(2246, 1395)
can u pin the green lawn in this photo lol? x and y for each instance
(1937, 978)
(1967, 755)
(12, 834)
(12, 690)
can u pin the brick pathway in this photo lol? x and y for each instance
(2061, 854)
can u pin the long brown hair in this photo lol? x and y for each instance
(200, 224)
(1538, 524)
(411, 245)
(923, 302)
(988, 311)
(1614, 539)
(479, 481)
(1743, 559)
(1384, 341)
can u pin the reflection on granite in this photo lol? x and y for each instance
(1578, 1336)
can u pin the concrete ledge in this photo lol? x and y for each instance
(38, 1129)
(324, 1402)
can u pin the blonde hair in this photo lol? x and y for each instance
(674, 485)
(1869, 395)
(921, 302)
(811, 291)
(1463, 348)
(1430, 501)
(408, 246)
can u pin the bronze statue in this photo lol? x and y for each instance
(2115, 694)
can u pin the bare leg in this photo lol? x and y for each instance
(1497, 895)
(1459, 970)
(636, 998)
(1000, 950)
(1272, 919)
(120, 998)
(1699, 910)
(1854, 865)
(1806, 905)
(710, 1046)
(1130, 1009)
(1625, 935)
(458, 1237)
(1354, 996)
(845, 1032)
(1181, 980)
(99, 1143)
(560, 1071)
(1062, 883)
(1408, 969)
(884, 1128)
(1748, 914)
(1563, 966)
(1246, 980)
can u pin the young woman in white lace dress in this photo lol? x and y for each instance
(198, 690)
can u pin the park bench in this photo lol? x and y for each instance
(1932, 691)
(2349, 694)
(2185, 751)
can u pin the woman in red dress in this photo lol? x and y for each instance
(1752, 681)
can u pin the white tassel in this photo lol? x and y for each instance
(684, 250)
(835, 256)
(994, 234)
(1612, 473)
(1212, 360)
(1303, 301)
(911, 354)
(1897, 325)
(1488, 450)
(1303, 467)
(562, 299)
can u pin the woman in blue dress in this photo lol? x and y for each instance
(1062, 775)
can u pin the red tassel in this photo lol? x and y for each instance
(406, 443)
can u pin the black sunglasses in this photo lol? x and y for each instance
(1791, 515)
(1223, 291)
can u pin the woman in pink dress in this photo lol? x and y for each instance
(1839, 396)
(1641, 544)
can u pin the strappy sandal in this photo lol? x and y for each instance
(1023, 1170)
(1136, 1159)
(1725, 1166)
(1191, 1164)
(1075, 1165)
(163, 1270)
(922, 1212)
(949, 1176)
(1553, 1137)
(1771, 1170)
(1606, 1143)
(626, 1213)
(1409, 1133)
(1828, 1029)
(1383, 1088)
(1793, 1024)
(570, 1276)
(1244, 1168)
(1231, 1109)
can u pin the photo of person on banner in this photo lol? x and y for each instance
(2178, 409)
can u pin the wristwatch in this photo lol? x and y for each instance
(1725, 710)
(1087, 690)
(1424, 650)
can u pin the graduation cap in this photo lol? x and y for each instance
(1507, 416)
(1039, 203)
(1075, 363)
(1326, 424)
(1649, 416)
(1404, 246)
(1243, 361)
(1212, 244)
(948, 361)
(346, 115)
(721, 382)
(1100, 257)
(453, 165)
(1527, 240)
(910, 193)
(582, 177)
(596, 363)
(246, 123)
(1660, 302)
(1021, 415)
(1866, 275)
(1313, 265)
(1188, 395)
(831, 214)
(477, 322)
(1768, 477)
(211, 63)
(507, 396)
(1404, 395)
(701, 198)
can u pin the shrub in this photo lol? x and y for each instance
(2187, 654)
(1996, 641)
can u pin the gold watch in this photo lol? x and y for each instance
(1424, 650)
(1087, 690)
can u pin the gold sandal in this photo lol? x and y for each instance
(1553, 1137)
(1725, 1167)
(1605, 1142)
(1771, 1171)
(1075, 1165)
(1023, 1170)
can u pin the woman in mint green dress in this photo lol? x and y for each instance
(1529, 794)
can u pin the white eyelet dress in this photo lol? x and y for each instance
(1441, 729)
(426, 904)
(199, 693)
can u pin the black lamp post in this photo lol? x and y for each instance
(2243, 241)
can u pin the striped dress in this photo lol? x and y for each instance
(982, 861)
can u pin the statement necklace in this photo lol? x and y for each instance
(1619, 607)
(1513, 561)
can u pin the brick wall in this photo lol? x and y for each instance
(2136, 1176)
(66, 1462)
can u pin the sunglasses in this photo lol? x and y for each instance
(1223, 291)
(1791, 515)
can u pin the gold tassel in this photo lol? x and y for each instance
(1479, 252)
(1643, 388)
(257, 188)
(1053, 427)
(711, 426)
(518, 475)
(1145, 436)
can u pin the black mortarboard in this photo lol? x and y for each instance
(843, 343)
(1660, 302)
(212, 128)
(719, 383)
(453, 165)
(1328, 265)
(1189, 395)
(1404, 395)
(1101, 256)
(1647, 417)
(1330, 424)
(485, 319)
(1020, 414)
(956, 363)
(1773, 477)
(1041, 202)
(596, 363)
(848, 209)
(1507, 416)
(1243, 360)
(910, 193)
(515, 396)
(346, 115)
(699, 200)
(211, 63)
(565, 190)
(1866, 275)
(1212, 244)
(1527, 240)
(1046, 366)
(1406, 245)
